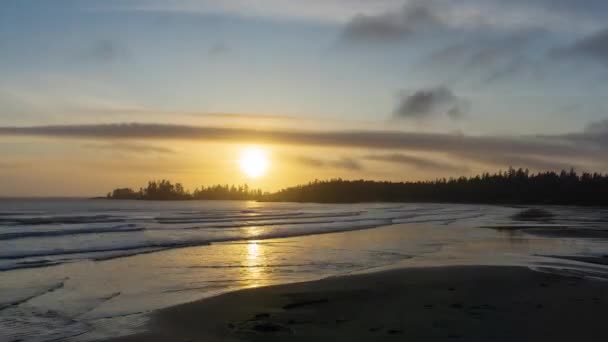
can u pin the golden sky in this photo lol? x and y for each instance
(96, 95)
(88, 160)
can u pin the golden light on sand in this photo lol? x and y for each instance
(254, 162)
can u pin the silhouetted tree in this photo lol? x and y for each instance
(514, 186)
(165, 190)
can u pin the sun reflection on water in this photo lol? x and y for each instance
(253, 251)
(254, 231)
(254, 265)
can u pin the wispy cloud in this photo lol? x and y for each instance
(577, 145)
(417, 162)
(489, 59)
(311, 10)
(592, 47)
(598, 127)
(104, 51)
(130, 148)
(482, 41)
(345, 163)
(533, 162)
(219, 50)
(433, 101)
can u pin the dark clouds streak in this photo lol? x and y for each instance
(535, 162)
(594, 47)
(130, 148)
(597, 127)
(500, 56)
(342, 163)
(416, 162)
(567, 145)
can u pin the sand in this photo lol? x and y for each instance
(470, 303)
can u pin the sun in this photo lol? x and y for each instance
(254, 162)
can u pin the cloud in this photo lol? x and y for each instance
(464, 20)
(219, 50)
(577, 145)
(490, 59)
(414, 18)
(342, 163)
(482, 41)
(594, 47)
(130, 148)
(513, 12)
(597, 127)
(534, 162)
(104, 51)
(595, 136)
(417, 162)
(251, 116)
(432, 101)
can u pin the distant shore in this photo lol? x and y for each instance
(465, 303)
(511, 203)
(515, 187)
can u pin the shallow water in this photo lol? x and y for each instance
(86, 269)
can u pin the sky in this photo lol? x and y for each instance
(101, 94)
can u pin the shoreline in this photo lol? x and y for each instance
(522, 205)
(479, 303)
(423, 236)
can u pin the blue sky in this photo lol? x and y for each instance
(469, 67)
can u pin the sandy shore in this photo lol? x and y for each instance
(476, 303)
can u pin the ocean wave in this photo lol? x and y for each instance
(59, 220)
(249, 218)
(56, 252)
(19, 301)
(147, 247)
(41, 241)
(48, 233)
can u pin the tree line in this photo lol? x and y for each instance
(164, 190)
(508, 187)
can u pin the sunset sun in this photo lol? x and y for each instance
(254, 162)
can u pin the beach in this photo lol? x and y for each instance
(339, 170)
(467, 303)
(84, 271)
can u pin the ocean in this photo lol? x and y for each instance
(83, 270)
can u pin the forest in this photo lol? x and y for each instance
(164, 190)
(505, 187)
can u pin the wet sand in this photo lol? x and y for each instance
(466, 303)
(554, 231)
(596, 260)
